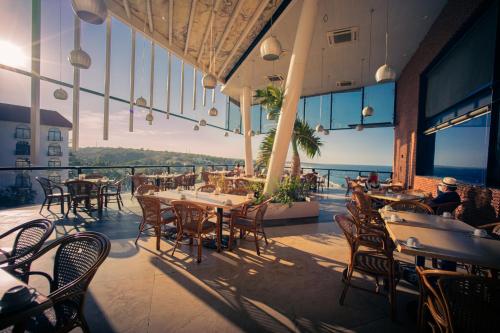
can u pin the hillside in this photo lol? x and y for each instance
(93, 156)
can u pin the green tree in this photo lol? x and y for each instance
(303, 136)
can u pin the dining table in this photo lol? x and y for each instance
(99, 183)
(165, 177)
(16, 312)
(441, 237)
(249, 179)
(218, 202)
(387, 196)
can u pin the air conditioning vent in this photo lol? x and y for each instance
(275, 78)
(342, 36)
(345, 83)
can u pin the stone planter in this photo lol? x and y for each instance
(298, 210)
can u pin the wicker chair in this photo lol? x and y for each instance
(28, 241)
(113, 193)
(412, 206)
(448, 207)
(77, 258)
(138, 180)
(241, 184)
(249, 219)
(492, 228)
(154, 216)
(238, 191)
(205, 177)
(458, 302)
(93, 176)
(395, 188)
(52, 192)
(145, 188)
(376, 261)
(193, 220)
(209, 188)
(364, 205)
(366, 229)
(81, 190)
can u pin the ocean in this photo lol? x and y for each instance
(337, 176)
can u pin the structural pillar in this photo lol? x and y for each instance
(35, 83)
(293, 90)
(246, 108)
(75, 133)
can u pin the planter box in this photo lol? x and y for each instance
(305, 209)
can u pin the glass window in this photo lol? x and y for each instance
(255, 118)
(346, 109)
(160, 77)
(22, 148)
(234, 116)
(55, 177)
(54, 150)
(317, 110)
(381, 98)
(175, 90)
(23, 132)
(121, 55)
(460, 151)
(142, 67)
(55, 134)
(54, 163)
(23, 180)
(15, 33)
(93, 41)
(22, 162)
(300, 109)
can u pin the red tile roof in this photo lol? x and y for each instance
(21, 114)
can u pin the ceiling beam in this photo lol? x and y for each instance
(190, 24)
(255, 16)
(229, 26)
(127, 7)
(150, 16)
(207, 31)
(170, 20)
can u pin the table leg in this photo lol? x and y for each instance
(219, 229)
(63, 198)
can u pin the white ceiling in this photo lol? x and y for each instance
(409, 21)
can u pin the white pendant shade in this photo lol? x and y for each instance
(149, 118)
(141, 101)
(226, 134)
(196, 128)
(60, 94)
(319, 128)
(208, 81)
(269, 116)
(270, 49)
(203, 122)
(90, 11)
(80, 59)
(237, 131)
(213, 112)
(367, 111)
(385, 73)
(251, 133)
(359, 127)
(326, 132)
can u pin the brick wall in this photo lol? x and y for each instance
(447, 25)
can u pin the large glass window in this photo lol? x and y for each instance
(15, 33)
(55, 134)
(317, 110)
(234, 115)
(255, 117)
(22, 148)
(346, 109)
(22, 162)
(54, 150)
(381, 98)
(23, 132)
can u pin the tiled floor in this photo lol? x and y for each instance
(293, 286)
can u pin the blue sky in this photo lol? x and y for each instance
(371, 146)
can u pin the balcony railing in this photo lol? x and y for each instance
(22, 136)
(54, 153)
(55, 138)
(22, 151)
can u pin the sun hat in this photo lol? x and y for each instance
(449, 181)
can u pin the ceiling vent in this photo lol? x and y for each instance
(275, 78)
(342, 36)
(345, 83)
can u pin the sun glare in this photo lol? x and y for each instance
(12, 55)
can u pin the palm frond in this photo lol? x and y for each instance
(266, 149)
(306, 139)
(271, 98)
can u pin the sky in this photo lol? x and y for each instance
(370, 147)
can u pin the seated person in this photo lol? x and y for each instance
(372, 182)
(447, 192)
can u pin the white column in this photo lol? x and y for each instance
(246, 109)
(182, 88)
(293, 90)
(132, 84)
(105, 132)
(169, 82)
(76, 91)
(35, 83)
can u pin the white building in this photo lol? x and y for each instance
(15, 136)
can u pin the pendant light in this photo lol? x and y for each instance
(270, 48)
(90, 11)
(213, 112)
(270, 116)
(149, 118)
(386, 73)
(202, 122)
(319, 127)
(237, 130)
(60, 93)
(251, 133)
(226, 134)
(359, 127)
(196, 128)
(209, 81)
(326, 132)
(367, 110)
(141, 101)
(79, 59)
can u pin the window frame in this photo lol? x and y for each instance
(54, 134)
(21, 131)
(55, 146)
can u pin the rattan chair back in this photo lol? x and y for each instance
(412, 206)
(238, 191)
(77, 188)
(241, 184)
(151, 209)
(189, 214)
(209, 188)
(46, 184)
(145, 188)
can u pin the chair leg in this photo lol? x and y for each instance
(231, 236)
(179, 236)
(158, 235)
(347, 282)
(264, 234)
(84, 326)
(118, 202)
(256, 239)
(199, 247)
(49, 203)
(141, 229)
(43, 204)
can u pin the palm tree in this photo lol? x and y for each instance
(303, 136)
